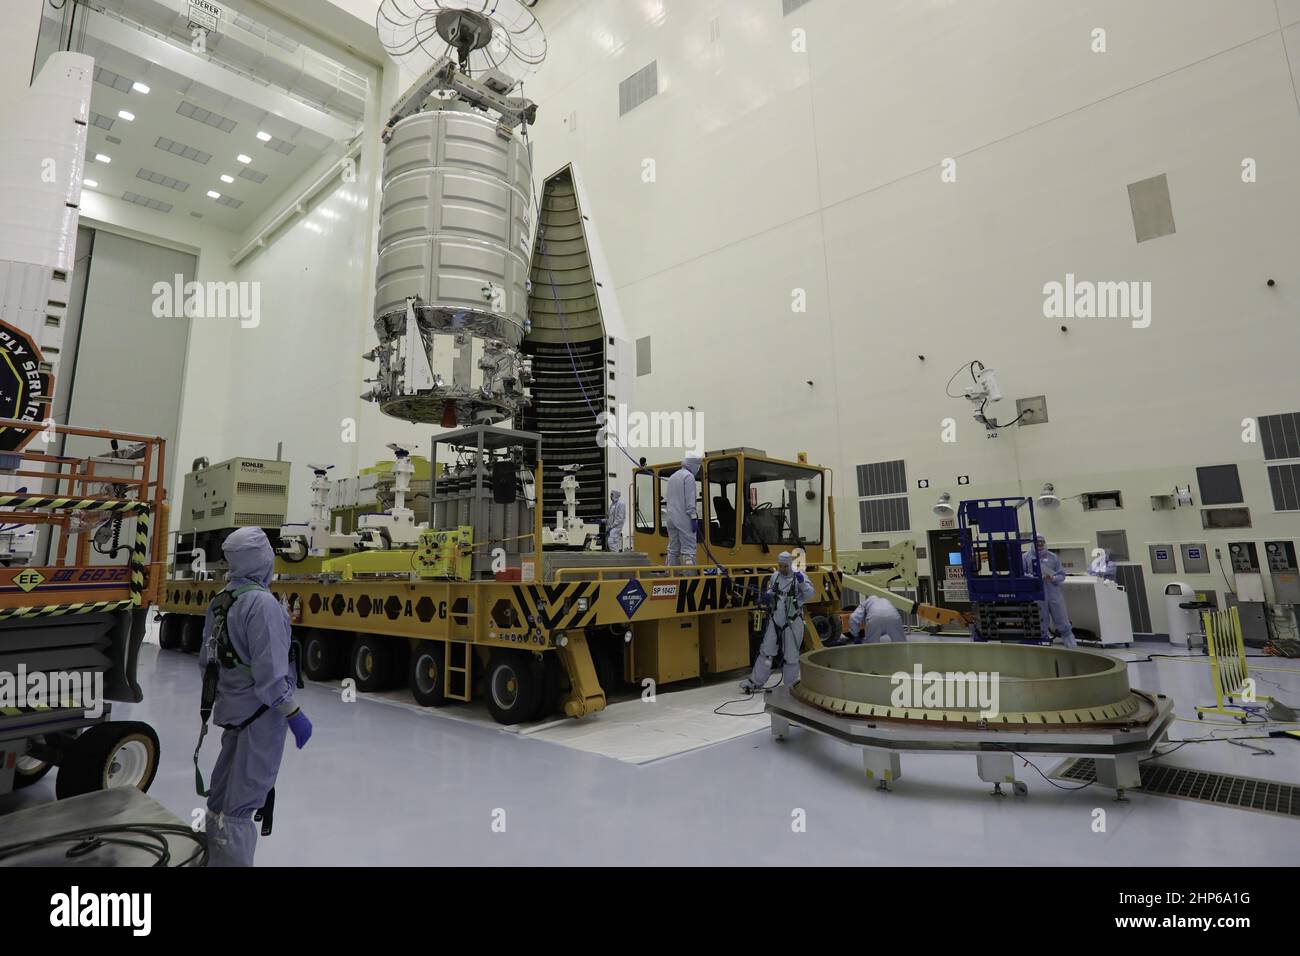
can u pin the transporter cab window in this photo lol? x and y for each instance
(722, 502)
(783, 504)
(643, 516)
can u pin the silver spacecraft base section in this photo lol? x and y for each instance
(1117, 750)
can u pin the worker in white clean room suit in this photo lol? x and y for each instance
(683, 525)
(1053, 574)
(1102, 566)
(785, 595)
(614, 522)
(875, 618)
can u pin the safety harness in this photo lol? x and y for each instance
(793, 611)
(221, 655)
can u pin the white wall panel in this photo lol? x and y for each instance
(821, 171)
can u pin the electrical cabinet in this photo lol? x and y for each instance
(1281, 559)
(666, 650)
(724, 641)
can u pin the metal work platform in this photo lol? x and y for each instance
(1116, 749)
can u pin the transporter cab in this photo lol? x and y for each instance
(469, 609)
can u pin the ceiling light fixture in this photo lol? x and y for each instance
(139, 87)
(245, 159)
(92, 184)
(213, 194)
(126, 115)
(101, 158)
(264, 137)
(227, 179)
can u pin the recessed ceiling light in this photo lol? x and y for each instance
(126, 115)
(227, 179)
(101, 158)
(244, 158)
(264, 137)
(213, 194)
(92, 184)
(139, 87)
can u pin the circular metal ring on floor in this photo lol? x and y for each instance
(954, 683)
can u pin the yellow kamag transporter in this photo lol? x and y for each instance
(470, 611)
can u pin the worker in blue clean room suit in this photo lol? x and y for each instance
(254, 704)
(785, 595)
(1053, 575)
(683, 525)
(614, 522)
(873, 619)
(1102, 566)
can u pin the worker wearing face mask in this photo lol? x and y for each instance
(614, 522)
(683, 524)
(1102, 566)
(875, 618)
(1054, 599)
(254, 705)
(785, 595)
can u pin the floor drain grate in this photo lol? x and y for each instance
(1221, 789)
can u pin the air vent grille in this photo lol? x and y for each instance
(183, 151)
(638, 87)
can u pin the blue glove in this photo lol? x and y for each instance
(698, 528)
(301, 728)
(798, 576)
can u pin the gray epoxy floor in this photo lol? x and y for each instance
(381, 786)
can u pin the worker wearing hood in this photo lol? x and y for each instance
(683, 523)
(784, 597)
(615, 521)
(254, 705)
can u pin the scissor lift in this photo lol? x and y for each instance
(1004, 596)
(79, 617)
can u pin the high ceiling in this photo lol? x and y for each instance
(169, 147)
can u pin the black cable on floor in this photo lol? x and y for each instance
(1043, 775)
(90, 839)
(741, 700)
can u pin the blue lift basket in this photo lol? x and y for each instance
(993, 540)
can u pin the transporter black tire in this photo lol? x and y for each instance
(552, 678)
(169, 631)
(607, 659)
(371, 662)
(322, 655)
(427, 674)
(513, 686)
(192, 634)
(28, 770)
(118, 754)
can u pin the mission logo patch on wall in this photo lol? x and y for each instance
(24, 389)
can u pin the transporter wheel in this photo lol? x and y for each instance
(552, 678)
(607, 658)
(192, 634)
(28, 769)
(322, 656)
(372, 662)
(169, 631)
(427, 674)
(512, 687)
(119, 754)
